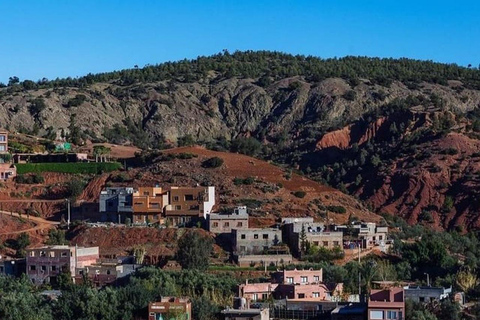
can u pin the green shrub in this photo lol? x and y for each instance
(349, 95)
(300, 194)
(68, 167)
(239, 181)
(77, 101)
(337, 209)
(214, 162)
(30, 179)
(186, 155)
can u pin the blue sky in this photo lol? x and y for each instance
(40, 38)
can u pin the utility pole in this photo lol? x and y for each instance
(359, 274)
(68, 213)
(428, 279)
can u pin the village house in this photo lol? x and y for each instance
(224, 223)
(12, 267)
(7, 171)
(386, 304)
(3, 141)
(145, 205)
(314, 233)
(170, 308)
(426, 294)
(46, 263)
(292, 284)
(149, 204)
(189, 204)
(116, 204)
(368, 234)
(107, 271)
(255, 240)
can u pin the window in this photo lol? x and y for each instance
(376, 314)
(325, 243)
(155, 205)
(301, 296)
(146, 193)
(242, 236)
(215, 224)
(239, 224)
(64, 254)
(315, 243)
(80, 272)
(242, 248)
(255, 236)
(226, 224)
(189, 197)
(391, 314)
(336, 243)
(316, 278)
(264, 296)
(303, 279)
(44, 268)
(1, 269)
(175, 198)
(43, 254)
(316, 295)
(2, 138)
(51, 254)
(33, 268)
(380, 238)
(53, 268)
(2, 148)
(265, 236)
(255, 297)
(178, 207)
(32, 253)
(289, 279)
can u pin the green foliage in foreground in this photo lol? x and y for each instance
(19, 299)
(71, 167)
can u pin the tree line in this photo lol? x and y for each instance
(269, 66)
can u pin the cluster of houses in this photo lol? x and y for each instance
(275, 246)
(43, 265)
(300, 294)
(175, 206)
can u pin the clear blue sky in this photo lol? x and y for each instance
(40, 38)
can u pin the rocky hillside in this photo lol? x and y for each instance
(380, 129)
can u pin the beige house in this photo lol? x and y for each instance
(224, 223)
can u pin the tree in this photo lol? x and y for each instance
(303, 240)
(194, 251)
(213, 162)
(466, 280)
(13, 80)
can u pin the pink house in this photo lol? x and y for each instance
(386, 304)
(292, 284)
(256, 291)
(299, 276)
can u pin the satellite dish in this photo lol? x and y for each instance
(296, 220)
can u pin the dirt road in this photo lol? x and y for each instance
(40, 223)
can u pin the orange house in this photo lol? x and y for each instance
(148, 204)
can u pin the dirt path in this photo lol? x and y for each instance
(40, 223)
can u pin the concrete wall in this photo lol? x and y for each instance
(256, 260)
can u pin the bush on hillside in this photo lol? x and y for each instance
(214, 162)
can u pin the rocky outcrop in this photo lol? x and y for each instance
(218, 107)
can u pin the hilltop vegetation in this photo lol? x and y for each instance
(276, 66)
